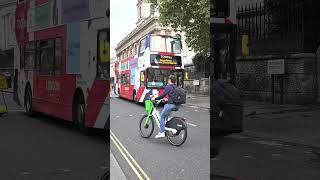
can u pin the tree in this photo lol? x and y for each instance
(201, 63)
(191, 17)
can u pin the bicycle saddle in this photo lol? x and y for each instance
(175, 109)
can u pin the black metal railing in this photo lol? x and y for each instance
(278, 27)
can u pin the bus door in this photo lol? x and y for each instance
(49, 79)
(97, 100)
(224, 51)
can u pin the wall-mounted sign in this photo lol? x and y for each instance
(196, 82)
(165, 60)
(276, 66)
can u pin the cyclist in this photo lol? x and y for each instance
(168, 106)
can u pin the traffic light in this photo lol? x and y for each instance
(221, 8)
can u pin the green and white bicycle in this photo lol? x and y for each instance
(175, 127)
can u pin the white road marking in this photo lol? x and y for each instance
(117, 116)
(192, 124)
(130, 115)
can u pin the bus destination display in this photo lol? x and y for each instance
(165, 60)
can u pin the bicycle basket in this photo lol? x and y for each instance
(148, 105)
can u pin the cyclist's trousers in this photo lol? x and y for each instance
(165, 114)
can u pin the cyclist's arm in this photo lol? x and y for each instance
(165, 92)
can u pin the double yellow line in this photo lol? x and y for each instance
(130, 160)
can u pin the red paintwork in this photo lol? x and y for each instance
(95, 100)
(140, 92)
(166, 67)
(166, 53)
(40, 2)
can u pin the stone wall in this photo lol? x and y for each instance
(202, 89)
(299, 84)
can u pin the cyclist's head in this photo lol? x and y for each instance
(172, 79)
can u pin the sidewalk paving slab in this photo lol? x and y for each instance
(116, 172)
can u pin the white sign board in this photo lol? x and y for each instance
(196, 82)
(276, 66)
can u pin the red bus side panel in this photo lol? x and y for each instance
(95, 100)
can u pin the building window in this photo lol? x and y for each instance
(142, 46)
(47, 57)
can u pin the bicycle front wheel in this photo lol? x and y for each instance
(146, 129)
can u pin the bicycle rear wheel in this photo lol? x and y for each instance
(146, 131)
(178, 138)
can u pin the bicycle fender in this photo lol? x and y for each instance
(176, 123)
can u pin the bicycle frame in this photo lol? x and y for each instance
(156, 116)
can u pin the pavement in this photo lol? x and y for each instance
(256, 158)
(156, 158)
(116, 171)
(296, 124)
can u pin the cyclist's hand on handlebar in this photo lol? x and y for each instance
(153, 98)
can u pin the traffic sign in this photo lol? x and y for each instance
(3, 82)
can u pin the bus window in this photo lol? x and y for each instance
(22, 57)
(103, 64)
(58, 56)
(46, 57)
(30, 56)
(158, 78)
(165, 44)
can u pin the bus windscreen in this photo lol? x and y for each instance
(158, 78)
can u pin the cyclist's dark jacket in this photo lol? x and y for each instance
(166, 91)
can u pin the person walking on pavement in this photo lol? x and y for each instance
(168, 90)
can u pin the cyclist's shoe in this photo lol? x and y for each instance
(160, 135)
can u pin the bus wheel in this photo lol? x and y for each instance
(134, 97)
(28, 101)
(80, 115)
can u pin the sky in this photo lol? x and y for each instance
(123, 16)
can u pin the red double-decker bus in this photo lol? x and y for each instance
(157, 57)
(63, 60)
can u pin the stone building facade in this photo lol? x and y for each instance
(148, 22)
(7, 33)
(300, 82)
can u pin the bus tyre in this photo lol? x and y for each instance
(80, 115)
(134, 97)
(28, 101)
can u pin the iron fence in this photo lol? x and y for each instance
(277, 27)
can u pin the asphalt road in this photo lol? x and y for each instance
(250, 158)
(42, 147)
(156, 157)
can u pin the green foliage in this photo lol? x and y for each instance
(201, 63)
(191, 17)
